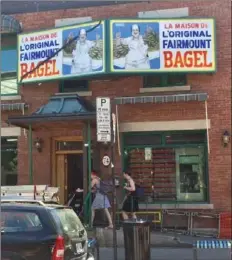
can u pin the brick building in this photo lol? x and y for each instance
(180, 118)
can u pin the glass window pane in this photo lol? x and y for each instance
(9, 161)
(74, 85)
(143, 139)
(158, 175)
(69, 146)
(12, 221)
(8, 40)
(8, 60)
(165, 80)
(153, 81)
(190, 167)
(9, 86)
(169, 173)
(182, 138)
(177, 80)
(68, 220)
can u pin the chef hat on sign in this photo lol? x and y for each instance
(82, 31)
(135, 27)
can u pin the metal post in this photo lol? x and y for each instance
(85, 160)
(114, 195)
(30, 157)
(89, 171)
(195, 255)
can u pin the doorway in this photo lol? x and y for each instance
(74, 172)
(190, 174)
(69, 174)
(68, 165)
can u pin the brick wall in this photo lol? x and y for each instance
(217, 85)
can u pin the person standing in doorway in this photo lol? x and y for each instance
(130, 204)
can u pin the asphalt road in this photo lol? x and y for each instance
(172, 254)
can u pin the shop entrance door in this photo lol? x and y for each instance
(190, 174)
(69, 174)
(61, 171)
(68, 167)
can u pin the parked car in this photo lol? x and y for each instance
(31, 231)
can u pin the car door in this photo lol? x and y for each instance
(25, 236)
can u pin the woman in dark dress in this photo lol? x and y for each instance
(130, 204)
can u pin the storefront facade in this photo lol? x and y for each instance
(170, 125)
(11, 103)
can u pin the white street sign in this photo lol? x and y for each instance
(103, 119)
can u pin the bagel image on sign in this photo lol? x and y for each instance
(63, 52)
(173, 45)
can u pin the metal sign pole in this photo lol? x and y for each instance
(113, 126)
(106, 129)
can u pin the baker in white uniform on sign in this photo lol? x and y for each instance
(137, 57)
(82, 62)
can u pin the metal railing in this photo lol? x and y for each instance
(175, 220)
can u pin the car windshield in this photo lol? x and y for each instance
(19, 221)
(68, 220)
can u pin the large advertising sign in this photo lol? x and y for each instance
(83, 56)
(168, 45)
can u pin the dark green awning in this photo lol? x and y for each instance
(58, 108)
(65, 104)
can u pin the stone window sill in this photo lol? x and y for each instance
(165, 89)
(9, 98)
(79, 93)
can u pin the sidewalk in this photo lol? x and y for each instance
(171, 254)
(164, 246)
(158, 239)
(105, 238)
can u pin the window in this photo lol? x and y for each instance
(9, 60)
(143, 139)
(165, 80)
(68, 220)
(73, 85)
(9, 65)
(9, 84)
(8, 39)
(69, 146)
(176, 169)
(19, 221)
(9, 161)
(178, 138)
